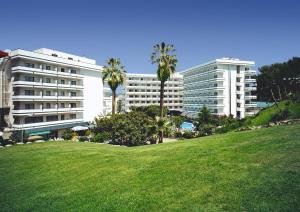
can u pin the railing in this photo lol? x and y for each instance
(23, 69)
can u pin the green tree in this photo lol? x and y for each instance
(166, 61)
(204, 116)
(114, 74)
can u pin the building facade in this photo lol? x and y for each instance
(144, 89)
(226, 86)
(107, 101)
(48, 90)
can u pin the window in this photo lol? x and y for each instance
(238, 88)
(70, 58)
(73, 105)
(215, 110)
(29, 78)
(48, 93)
(72, 116)
(48, 80)
(30, 65)
(73, 82)
(52, 118)
(73, 71)
(247, 68)
(62, 105)
(238, 69)
(48, 105)
(238, 96)
(29, 106)
(62, 70)
(73, 93)
(36, 119)
(62, 117)
(238, 79)
(62, 81)
(48, 67)
(62, 93)
(54, 55)
(29, 92)
(238, 114)
(238, 104)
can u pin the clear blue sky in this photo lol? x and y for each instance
(260, 30)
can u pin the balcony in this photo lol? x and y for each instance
(39, 84)
(43, 72)
(49, 123)
(23, 97)
(250, 72)
(250, 88)
(45, 110)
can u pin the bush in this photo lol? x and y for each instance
(67, 135)
(101, 137)
(83, 138)
(178, 134)
(280, 115)
(188, 134)
(205, 129)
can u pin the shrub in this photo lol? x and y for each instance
(67, 135)
(280, 115)
(83, 138)
(101, 137)
(188, 134)
(205, 129)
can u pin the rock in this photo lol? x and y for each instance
(8, 145)
(29, 142)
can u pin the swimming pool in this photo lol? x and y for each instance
(187, 126)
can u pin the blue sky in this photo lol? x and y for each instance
(259, 30)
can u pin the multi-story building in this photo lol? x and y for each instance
(48, 90)
(107, 101)
(144, 89)
(226, 86)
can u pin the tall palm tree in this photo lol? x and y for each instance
(166, 61)
(114, 74)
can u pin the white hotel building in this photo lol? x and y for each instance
(144, 89)
(48, 90)
(226, 86)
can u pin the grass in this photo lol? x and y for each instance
(265, 116)
(239, 171)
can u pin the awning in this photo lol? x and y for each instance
(39, 133)
(79, 128)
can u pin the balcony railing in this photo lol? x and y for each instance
(44, 72)
(46, 110)
(49, 123)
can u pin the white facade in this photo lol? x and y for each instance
(226, 86)
(144, 89)
(52, 89)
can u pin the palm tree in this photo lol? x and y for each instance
(166, 60)
(114, 74)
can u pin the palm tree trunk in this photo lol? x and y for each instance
(279, 92)
(113, 102)
(161, 107)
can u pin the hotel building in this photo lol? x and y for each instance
(47, 90)
(107, 101)
(226, 86)
(144, 89)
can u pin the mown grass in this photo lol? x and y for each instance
(265, 116)
(241, 171)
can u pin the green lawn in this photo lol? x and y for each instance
(265, 116)
(242, 171)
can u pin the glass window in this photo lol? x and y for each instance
(29, 78)
(29, 92)
(48, 67)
